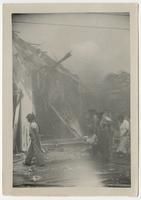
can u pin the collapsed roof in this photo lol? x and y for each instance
(54, 89)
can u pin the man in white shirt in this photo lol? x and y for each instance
(35, 149)
(124, 136)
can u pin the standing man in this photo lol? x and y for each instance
(105, 138)
(35, 149)
(92, 140)
(124, 136)
(95, 122)
(90, 123)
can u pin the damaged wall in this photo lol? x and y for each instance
(57, 101)
(52, 93)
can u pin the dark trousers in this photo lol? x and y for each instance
(34, 151)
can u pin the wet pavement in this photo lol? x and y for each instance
(72, 165)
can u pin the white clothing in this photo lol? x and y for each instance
(124, 127)
(34, 125)
(124, 137)
(92, 140)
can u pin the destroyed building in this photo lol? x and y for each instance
(43, 86)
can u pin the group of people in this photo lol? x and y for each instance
(100, 136)
(101, 130)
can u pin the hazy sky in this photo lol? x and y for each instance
(95, 51)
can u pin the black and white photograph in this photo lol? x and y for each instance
(71, 100)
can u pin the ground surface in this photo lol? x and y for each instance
(72, 165)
